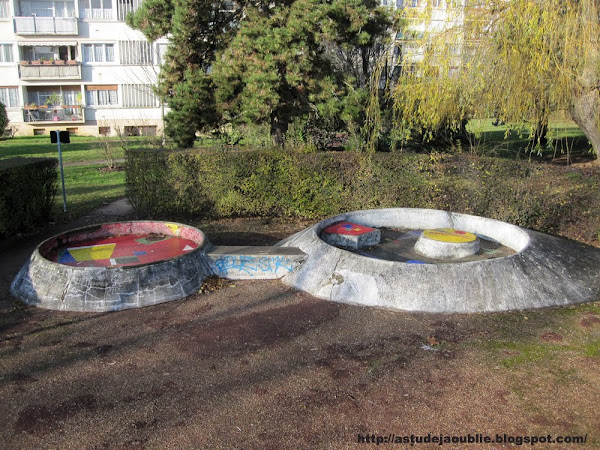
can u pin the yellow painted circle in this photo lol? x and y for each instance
(449, 235)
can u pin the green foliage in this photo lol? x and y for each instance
(518, 61)
(154, 18)
(314, 185)
(276, 68)
(260, 63)
(192, 109)
(3, 119)
(27, 190)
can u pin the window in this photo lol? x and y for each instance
(6, 53)
(49, 8)
(66, 95)
(138, 95)
(161, 51)
(143, 130)
(4, 9)
(399, 4)
(101, 95)
(9, 96)
(124, 7)
(96, 9)
(135, 52)
(98, 53)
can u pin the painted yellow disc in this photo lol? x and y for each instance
(449, 235)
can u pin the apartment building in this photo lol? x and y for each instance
(425, 18)
(76, 65)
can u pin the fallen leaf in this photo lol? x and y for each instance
(431, 340)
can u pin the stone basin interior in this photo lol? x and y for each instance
(401, 228)
(397, 244)
(126, 244)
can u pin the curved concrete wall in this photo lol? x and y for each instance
(51, 285)
(545, 271)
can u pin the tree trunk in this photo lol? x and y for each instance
(540, 134)
(585, 110)
(279, 127)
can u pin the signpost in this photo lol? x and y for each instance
(58, 137)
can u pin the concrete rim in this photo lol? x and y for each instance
(545, 271)
(53, 285)
(201, 240)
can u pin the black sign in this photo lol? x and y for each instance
(63, 135)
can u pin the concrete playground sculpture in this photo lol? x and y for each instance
(542, 270)
(114, 266)
(407, 259)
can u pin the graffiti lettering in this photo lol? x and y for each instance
(252, 266)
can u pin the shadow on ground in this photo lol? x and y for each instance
(255, 364)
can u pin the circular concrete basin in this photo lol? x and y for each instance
(544, 270)
(114, 266)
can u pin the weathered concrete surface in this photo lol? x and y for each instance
(351, 235)
(432, 247)
(51, 285)
(545, 271)
(254, 262)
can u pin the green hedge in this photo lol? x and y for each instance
(27, 190)
(213, 183)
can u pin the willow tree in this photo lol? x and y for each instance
(517, 60)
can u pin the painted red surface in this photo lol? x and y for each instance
(347, 228)
(129, 250)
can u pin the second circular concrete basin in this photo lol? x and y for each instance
(544, 271)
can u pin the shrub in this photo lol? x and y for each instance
(27, 190)
(217, 183)
(3, 119)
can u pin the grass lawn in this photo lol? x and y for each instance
(88, 187)
(81, 148)
(509, 142)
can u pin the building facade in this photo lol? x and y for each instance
(76, 65)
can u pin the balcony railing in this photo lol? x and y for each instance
(54, 114)
(46, 25)
(67, 70)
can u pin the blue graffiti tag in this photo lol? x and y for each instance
(251, 265)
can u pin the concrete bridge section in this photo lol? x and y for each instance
(253, 262)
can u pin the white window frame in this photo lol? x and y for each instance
(89, 49)
(4, 50)
(93, 97)
(138, 96)
(5, 10)
(161, 51)
(136, 53)
(125, 7)
(10, 99)
(58, 8)
(88, 12)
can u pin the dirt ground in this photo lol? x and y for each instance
(255, 364)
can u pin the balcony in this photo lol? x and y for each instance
(53, 114)
(35, 70)
(32, 25)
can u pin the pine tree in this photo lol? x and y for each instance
(258, 62)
